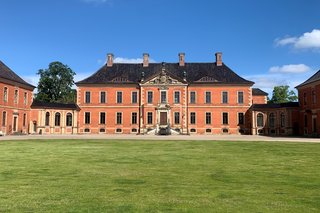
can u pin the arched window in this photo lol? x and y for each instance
(69, 119)
(47, 118)
(260, 120)
(282, 120)
(271, 119)
(4, 118)
(57, 119)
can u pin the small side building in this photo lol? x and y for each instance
(259, 96)
(54, 118)
(275, 119)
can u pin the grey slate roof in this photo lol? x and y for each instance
(258, 92)
(315, 77)
(273, 106)
(46, 105)
(194, 71)
(8, 74)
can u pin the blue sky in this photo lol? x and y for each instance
(271, 42)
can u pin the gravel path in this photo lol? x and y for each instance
(171, 137)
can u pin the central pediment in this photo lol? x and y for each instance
(163, 78)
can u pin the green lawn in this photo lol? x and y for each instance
(158, 176)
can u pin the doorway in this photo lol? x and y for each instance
(163, 118)
(15, 124)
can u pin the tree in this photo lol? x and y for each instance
(55, 84)
(281, 94)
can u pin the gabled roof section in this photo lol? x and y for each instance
(258, 92)
(315, 77)
(46, 105)
(8, 74)
(192, 72)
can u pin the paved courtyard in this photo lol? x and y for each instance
(171, 137)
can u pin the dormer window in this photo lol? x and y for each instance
(207, 79)
(120, 79)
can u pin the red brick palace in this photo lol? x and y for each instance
(160, 98)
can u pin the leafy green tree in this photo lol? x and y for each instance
(55, 84)
(281, 94)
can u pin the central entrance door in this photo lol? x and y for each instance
(163, 118)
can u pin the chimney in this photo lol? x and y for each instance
(109, 59)
(219, 58)
(145, 59)
(181, 59)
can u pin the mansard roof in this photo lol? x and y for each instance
(258, 92)
(47, 105)
(7, 74)
(194, 73)
(315, 77)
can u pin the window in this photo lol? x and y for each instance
(314, 97)
(260, 120)
(57, 119)
(163, 97)
(282, 120)
(15, 96)
(87, 117)
(149, 118)
(176, 97)
(208, 97)
(102, 130)
(224, 97)
(134, 130)
(208, 117)
(134, 119)
(87, 97)
(47, 121)
(4, 118)
(304, 98)
(225, 118)
(240, 118)
(176, 117)
(119, 97)
(192, 118)
(24, 119)
(192, 97)
(102, 97)
(150, 97)
(69, 119)
(271, 119)
(240, 97)
(134, 97)
(193, 130)
(119, 117)
(305, 120)
(5, 94)
(25, 98)
(102, 118)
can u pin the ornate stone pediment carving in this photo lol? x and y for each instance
(163, 79)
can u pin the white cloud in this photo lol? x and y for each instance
(309, 40)
(131, 60)
(290, 68)
(267, 82)
(31, 79)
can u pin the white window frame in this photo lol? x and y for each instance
(195, 97)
